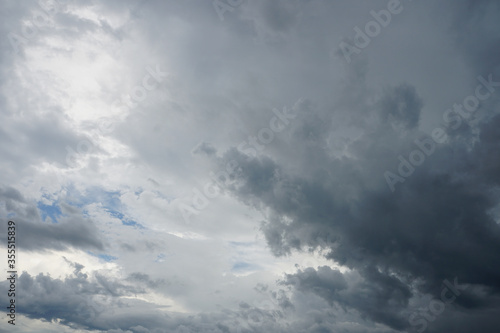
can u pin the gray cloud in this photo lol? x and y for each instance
(80, 299)
(401, 108)
(72, 230)
(318, 187)
(381, 297)
(436, 226)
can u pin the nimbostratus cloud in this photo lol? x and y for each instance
(309, 235)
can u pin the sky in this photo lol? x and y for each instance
(298, 166)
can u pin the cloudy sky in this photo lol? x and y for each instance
(251, 165)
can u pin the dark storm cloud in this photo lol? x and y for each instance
(319, 184)
(72, 230)
(438, 225)
(91, 302)
(96, 302)
(279, 15)
(476, 34)
(380, 297)
(401, 107)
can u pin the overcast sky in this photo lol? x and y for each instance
(251, 165)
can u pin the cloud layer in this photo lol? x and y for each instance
(223, 166)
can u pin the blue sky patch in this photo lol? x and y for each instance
(103, 256)
(53, 211)
(242, 267)
(109, 200)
